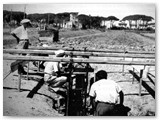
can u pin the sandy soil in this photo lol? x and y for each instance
(18, 104)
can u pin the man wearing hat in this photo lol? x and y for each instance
(51, 76)
(21, 34)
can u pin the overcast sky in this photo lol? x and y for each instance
(105, 10)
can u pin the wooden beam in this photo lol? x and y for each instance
(90, 50)
(140, 81)
(14, 65)
(77, 60)
(17, 51)
(77, 53)
(143, 83)
(19, 82)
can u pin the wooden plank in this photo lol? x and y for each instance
(133, 76)
(77, 53)
(19, 82)
(8, 73)
(83, 70)
(14, 65)
(89, 50)
(144, 84)
(27, 70)
(77, 60)
(36, 88)
(140, 82)
(27, 51)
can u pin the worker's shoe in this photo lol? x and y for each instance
(56, 89)
(62, 93)
(65, 86)
(24, 73)
(53, 90)
(59, 91)
(61, 110)
(21, 70)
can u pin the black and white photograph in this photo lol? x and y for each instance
(79, 59)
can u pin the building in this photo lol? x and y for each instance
(151, 24)
(139, 24)
(73, 22)
(108, 23)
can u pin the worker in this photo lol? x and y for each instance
(21, 35)
(104, 94)
(52, 75)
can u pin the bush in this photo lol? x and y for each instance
(150, 29)
(117, 28)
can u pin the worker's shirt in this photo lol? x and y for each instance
(51, 68)
(105, 91)
(20, 32)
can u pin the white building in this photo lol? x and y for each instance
(107, 24)
(138, 24)
(151, 24)
(73, 22)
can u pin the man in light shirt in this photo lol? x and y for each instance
(21, 35)
(104, 94)
(52, 77)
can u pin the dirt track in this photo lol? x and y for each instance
(17, 104)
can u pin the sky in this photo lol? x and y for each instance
(93, 9)
(120, 12)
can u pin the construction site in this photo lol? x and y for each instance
(127, 56)
(124, 48)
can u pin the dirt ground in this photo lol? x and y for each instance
(18, 104)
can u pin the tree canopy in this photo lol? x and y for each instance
(85, 20)
(112, 18)
(96, 22)
(13, 15)
(138, 17)
(37, 17)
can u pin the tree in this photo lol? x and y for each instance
(8, 16)
(96, 22)
(37, 17)
(84, 20)
(112, 19)
(89, 21)
(62, 17)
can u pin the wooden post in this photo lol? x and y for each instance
(67, 101)
(19, 81)
(27, 70)
(69, 82)
(38, 66)
(133, 75)
(68, 96)
(140, 81)
(86, 85)
(19, 77)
